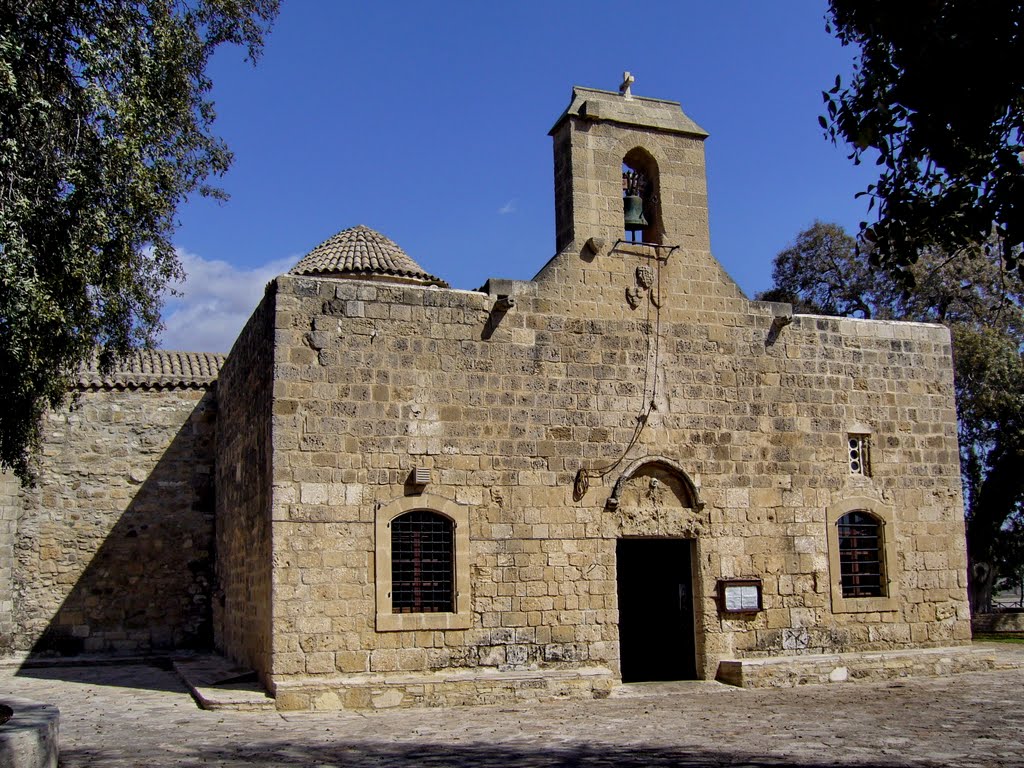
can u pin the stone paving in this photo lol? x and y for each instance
(141, 715)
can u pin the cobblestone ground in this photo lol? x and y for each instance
(140, 715)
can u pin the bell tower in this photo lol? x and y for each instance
(628, 168)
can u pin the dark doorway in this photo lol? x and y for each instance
(655, 610)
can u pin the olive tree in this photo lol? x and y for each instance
(105, 128)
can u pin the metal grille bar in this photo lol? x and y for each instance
(422, 573)
(860, 555)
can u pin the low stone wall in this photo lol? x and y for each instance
(9, 510)
(444, 689)
(113, 544)
(111, 549)
(791, 671)
(998, 622)
(29, 738)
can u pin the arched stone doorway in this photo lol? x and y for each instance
(660, 517)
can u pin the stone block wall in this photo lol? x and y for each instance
(504, 407)
(113, 549)
(242, 605)
(824, 379)
(629, 391)
(9, 509)
(598, 132)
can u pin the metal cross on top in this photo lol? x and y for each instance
(627, 81)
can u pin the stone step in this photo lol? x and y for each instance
(789, 671)
(217, 683)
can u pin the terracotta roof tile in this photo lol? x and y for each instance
(155, 369)
(360, 251)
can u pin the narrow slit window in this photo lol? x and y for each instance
(860, 555)
(422, 563)
(860, 455)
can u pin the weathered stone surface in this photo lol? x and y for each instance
(442, 689)
(113, 549)
(790, 671)
(10, 507)
(245, 560)
(743, 430)
(967, 720)
(628, 391)
(30, 738)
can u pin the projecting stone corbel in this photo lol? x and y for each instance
(596, 246)
(504, 303)
(778, 323)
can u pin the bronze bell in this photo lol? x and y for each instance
(633, 206)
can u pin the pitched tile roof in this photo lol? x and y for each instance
(361, 252)
(155, 369)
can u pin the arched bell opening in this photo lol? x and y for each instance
(641, 198)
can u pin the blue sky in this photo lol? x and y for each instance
(429, 121)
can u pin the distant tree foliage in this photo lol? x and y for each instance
(105, 128)
(982, 302)
(938, 95)
(1010, 564)
(821, 274)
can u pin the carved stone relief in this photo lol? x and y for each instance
(635, 294)
(656, 500)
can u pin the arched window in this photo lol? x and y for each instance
(861, 562)
(422, 563)
(862, 536)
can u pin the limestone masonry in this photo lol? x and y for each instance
(391, 492)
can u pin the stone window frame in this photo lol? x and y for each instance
(460, 618)
(861, 434)
(887, 537)
(859, 454)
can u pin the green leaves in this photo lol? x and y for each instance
(937, 98)
(105, 128)
(822, 273)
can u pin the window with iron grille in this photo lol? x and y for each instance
(422, 563)
(860, 555)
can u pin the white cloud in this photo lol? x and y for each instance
(509, 207)
(216, 298)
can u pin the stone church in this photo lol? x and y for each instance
(391, 492)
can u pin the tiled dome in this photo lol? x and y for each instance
(362, 252)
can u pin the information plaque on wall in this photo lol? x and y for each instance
(739, 595)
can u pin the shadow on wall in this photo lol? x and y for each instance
(145, 559)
